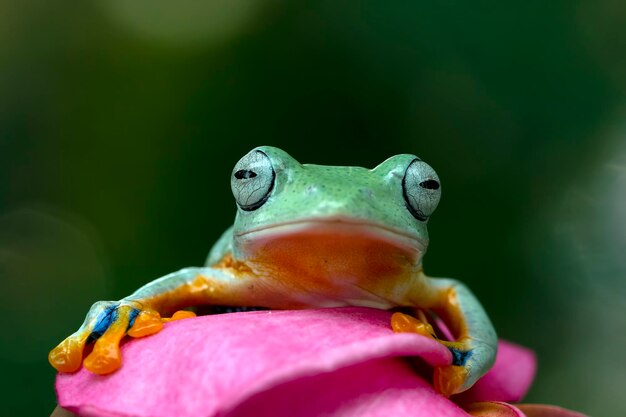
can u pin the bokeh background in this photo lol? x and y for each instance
(120, 122)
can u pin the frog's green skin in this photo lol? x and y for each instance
(310, 236)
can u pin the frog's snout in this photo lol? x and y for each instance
(353, 200)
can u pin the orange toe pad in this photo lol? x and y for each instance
(147, 322)
(180, 315)
(403, 323)
(67, 356)
(448, 380)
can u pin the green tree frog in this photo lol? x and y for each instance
(310, 236)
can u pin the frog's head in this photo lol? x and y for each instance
(295, 211)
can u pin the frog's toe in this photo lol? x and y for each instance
(146, 323)
(450, 380)
(453, 379)
(104, 361)
(149, 322)
(403, 323)
(180, 315)
(68, 355)
(106, 356)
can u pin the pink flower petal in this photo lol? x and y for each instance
(379, 388)
(540, 410)
(212, 364)
(508, 380)
(494, 409)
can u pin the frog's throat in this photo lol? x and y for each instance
(407, 242)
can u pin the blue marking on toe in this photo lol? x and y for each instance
(103, 321)
(131, 318)
(460, 357)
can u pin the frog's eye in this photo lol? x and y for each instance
(252, 180)
(421, 189)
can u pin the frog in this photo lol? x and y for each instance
(310, 236)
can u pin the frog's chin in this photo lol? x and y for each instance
(336, 235)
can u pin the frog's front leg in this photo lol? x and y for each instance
(475, 346)
(139, 314)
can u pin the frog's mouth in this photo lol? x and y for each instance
(332, 246)
(336, 225)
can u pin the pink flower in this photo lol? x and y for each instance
(328, 362)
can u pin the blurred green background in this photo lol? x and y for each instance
(120, 122)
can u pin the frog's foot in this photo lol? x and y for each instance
(107, 323)
(453, 379)
(450, 379)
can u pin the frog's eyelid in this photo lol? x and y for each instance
(395, 166)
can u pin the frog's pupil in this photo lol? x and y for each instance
(244, 174)
(430, 184)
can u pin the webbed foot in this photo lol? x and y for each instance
(447, 380)
(107, 323)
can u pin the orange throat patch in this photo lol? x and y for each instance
(322, 257)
